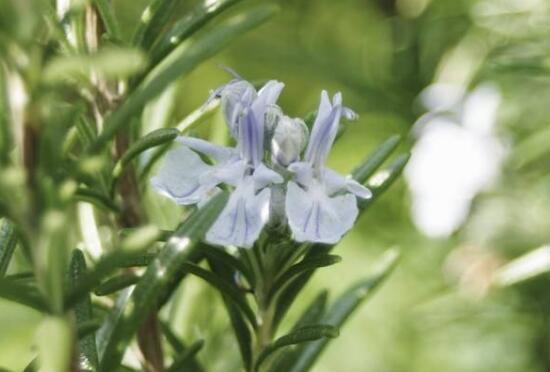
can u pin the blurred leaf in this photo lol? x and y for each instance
(157, 278)
(22, 294)
(96, 198)
(8, 242)
(88, 359)
(375, 159)
(179, 347)
(307, 264)
(526, 267)
(108, 18)
(111, 63)
(298, 336)
(152, 20)
(116, 283)
(54, 344)
(188, 25)
(141, 238)
(178, 63)
(101, 270)
(185, 361)
(344, 306)
(5, 122)
(32, 366)
(52, 256)
(86, 131)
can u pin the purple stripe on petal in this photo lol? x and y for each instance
(251, 139)
(323, 138)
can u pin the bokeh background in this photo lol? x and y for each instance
(467, 85)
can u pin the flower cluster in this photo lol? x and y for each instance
(274, 171)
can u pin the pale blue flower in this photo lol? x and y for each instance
(186, 179)
(321, 205)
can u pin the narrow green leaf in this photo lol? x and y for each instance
(102, 269)
(178, 63)
(240, 327)
(108, 18)
(314, 311)
(86, 131)
(175, 343)
(307, 264)
(224, 258)
(179, 347)
(88, 359)
(8, 242)
(111, 63)
(383, 179)
(32, 366)
(184, 361)
(5, 117)
(344, 306)
(104, 334)
(25, 275)
(188, 25)
(311, 315)
(223, 287)
(298, 336)
(22, 294)
(152, 20)
(116, 283)
(88, 328)
(138, 260)
(153, 139)
(375, 159)
(96, 198)
(157, 278)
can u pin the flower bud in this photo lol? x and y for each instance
(288, 140)
(235, 96)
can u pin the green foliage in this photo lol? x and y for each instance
(91, 98)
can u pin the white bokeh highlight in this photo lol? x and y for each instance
(457, 155)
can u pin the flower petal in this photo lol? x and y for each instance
(251, 139)
(303, 173)
(178, 177)
(230, 173)
(263, 176)
(243, 218)
(314, 216)
(349, 114)
(235, 96)
(268, 95)
(335, 182)
(219, 154)
(324, 129)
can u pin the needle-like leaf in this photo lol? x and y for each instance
(180, 61)
(157, 278)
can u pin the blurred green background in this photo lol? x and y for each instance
(441, 310)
